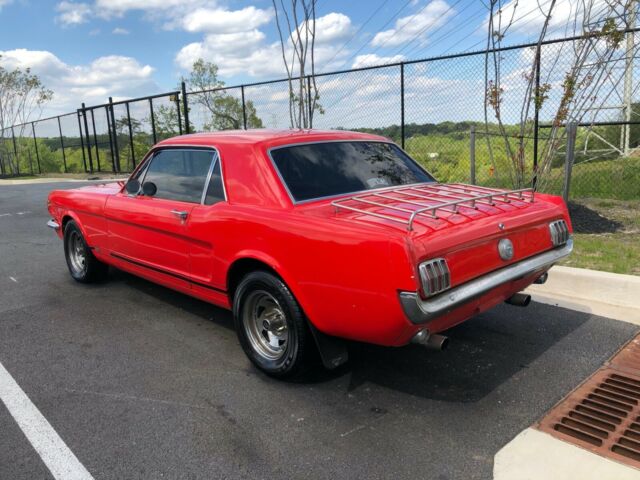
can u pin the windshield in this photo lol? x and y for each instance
(335, 168)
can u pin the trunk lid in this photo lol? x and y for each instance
(461, 223)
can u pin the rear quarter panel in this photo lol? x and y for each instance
(345, 277)
(86, 206)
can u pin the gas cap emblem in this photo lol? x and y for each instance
(501, 226)
(505, 249)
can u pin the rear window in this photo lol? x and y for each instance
(335, 168)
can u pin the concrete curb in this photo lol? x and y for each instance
(535, 455)
(605, 294)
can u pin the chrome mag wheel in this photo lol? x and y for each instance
(77, 253)
(265, 324)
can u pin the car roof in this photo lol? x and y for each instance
(267, 137)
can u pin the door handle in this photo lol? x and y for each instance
(180, 214)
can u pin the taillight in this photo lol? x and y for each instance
(559, 232)
(435, 276)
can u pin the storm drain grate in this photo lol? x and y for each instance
(603, 414)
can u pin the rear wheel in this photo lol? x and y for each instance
(83, 265)
(271, 326)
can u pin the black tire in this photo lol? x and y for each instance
(83, 266)
(291, 359)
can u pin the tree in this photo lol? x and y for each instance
(225, 110)
(22, 96)
(583, 86)
(298, 55)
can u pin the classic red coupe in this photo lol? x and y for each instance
(313, 237)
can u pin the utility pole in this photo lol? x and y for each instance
(628, 81)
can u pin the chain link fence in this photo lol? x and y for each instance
(440, 110)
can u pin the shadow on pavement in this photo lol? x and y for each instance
(483, 353)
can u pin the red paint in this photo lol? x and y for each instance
(345, 269)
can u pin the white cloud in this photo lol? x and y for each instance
(4, 3)
(245, 51)
(71, 13)
(113, 75)
(414, 26)
(219, 20)
(373, 59)
(332, 28)
(120, 31)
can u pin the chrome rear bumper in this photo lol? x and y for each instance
(420, 311)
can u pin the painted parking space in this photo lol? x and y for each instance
(142, 382)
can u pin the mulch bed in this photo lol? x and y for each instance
(587, 220)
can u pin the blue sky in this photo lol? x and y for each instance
(89, 50)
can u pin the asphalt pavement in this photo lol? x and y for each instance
(142, 382)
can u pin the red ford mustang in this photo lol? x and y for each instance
(312, 237)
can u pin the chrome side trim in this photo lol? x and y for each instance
(53, 224)
(419, 310)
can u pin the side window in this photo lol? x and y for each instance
(215, 192)
(179, 174)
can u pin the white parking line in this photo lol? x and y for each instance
(13, 279)
(60, 461)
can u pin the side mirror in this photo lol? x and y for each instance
(149, 189)
(132, 187)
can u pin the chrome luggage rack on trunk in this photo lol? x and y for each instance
(445, 197)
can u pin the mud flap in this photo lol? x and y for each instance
(333, 350)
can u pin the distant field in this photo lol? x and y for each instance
(446, 156)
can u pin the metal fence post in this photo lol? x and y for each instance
(35, 144)
(244, 108)
(536, 119)
(402, 133)
(64, 157)
(309, 106)
(177, 100)
(185, 104)
(133, 153)
(95, 138)
(572, 129)
(111, 142)
(84, 158)
(472, 155)
(115, 136)
(15, 151)
(86, 129)
(153, 122)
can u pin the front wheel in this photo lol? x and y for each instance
(271, 326)
(83, 266)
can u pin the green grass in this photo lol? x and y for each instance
(617, 252)
(608, 179)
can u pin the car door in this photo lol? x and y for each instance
(209, 225)
(150, 231)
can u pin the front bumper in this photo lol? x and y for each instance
(420, 311)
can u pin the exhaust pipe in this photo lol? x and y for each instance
(519, 300)
(433, 342)
(437, 342)
(542, 279)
